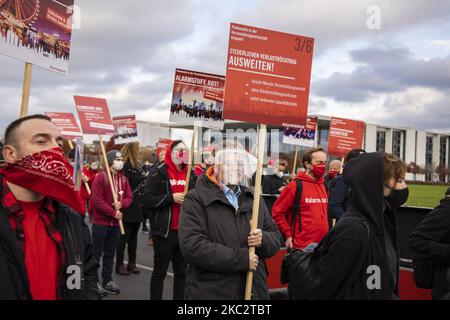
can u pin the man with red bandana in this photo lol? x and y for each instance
(46, 248)
(311, 221)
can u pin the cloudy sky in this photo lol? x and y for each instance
(127, 51)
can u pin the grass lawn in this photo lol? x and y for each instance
(425, 196)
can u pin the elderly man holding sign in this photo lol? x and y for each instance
(214, 232)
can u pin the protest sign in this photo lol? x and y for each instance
(94, 116)
(268, 76)
(302, 135)
(125, 129)
(198, 99)
(344, 136)
(66, 123)
(37, 32)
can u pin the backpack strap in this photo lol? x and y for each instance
(296, 209)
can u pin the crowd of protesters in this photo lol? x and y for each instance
(200, 221)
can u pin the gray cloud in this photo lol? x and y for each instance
(128, 50)
(384, 71)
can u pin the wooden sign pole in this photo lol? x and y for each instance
(294, 166)
(256, 201)
(108, 173)
(191, 160)
(26, 89)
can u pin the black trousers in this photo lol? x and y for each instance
(165, 251)
(130, 237)
(104, 244)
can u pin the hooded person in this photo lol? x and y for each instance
(359, 259)
(311, 224)
(163, 197)
(339, 192)
(430, 244)
(42, 232)
(215, 235)
(106, 215)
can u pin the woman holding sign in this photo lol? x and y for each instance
(163, 197)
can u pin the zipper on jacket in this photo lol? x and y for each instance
(170, 212)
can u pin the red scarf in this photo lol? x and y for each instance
(48, 173)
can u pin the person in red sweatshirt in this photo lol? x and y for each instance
(163, 197)
(311, 223)
(106, 215)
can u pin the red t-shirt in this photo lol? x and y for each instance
(41, 254)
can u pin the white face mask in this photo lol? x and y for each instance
(94, 166)
(117, 165)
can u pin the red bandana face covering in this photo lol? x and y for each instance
(48, 173)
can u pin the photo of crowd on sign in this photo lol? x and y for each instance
(125, 128)
(301, 136)
(37, 31)
(198, 97)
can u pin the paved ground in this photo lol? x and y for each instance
(137, 287)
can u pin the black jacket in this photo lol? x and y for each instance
(213, 240)
(158, 200)
(136, 177)
(78, 246)
(431, 240)
(353, 257)
(272, 183)
(338, 197)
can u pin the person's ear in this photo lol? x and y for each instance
(10, 154)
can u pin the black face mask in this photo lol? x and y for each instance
(397, 197)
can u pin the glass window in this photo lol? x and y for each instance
(381, 141)
(443, 151)
(323, 138)
(429, 152)
(397, 143)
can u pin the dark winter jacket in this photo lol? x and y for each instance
(136, 177)
(213, 239)
(354, 261)
(431, 240)
(272, 184)
(101, 205)
(337, 198)
(158, 200)
(14, 283)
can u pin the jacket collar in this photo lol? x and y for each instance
(209, 191)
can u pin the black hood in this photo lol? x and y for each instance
(365, 175)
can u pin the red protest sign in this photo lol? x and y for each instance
(268, 76)
(66, 123)
(197, 98)
(94, 115)
(126, 129)
(162, 145)
(344, 136)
